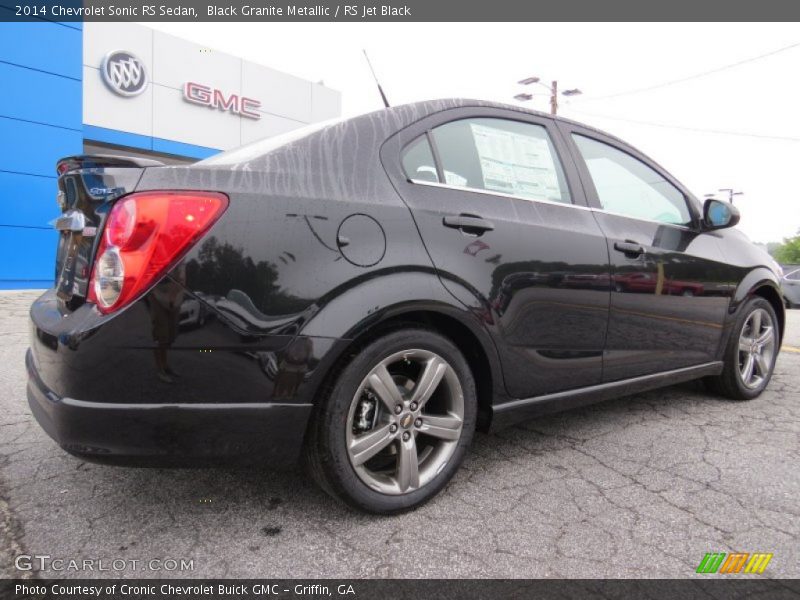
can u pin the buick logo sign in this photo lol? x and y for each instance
(124, 73)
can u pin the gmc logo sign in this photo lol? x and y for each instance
(198, 93)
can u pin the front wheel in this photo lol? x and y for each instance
(751, 352)
(396, 423)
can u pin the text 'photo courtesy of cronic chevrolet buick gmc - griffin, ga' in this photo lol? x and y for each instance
(362, 295)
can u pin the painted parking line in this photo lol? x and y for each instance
(793, 349)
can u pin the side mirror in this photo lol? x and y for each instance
(719, 215)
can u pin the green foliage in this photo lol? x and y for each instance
(788, 253)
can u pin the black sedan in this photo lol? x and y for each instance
(382, 287)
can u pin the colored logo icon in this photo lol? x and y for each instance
(735, 562)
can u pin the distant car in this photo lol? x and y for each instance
(384, 286)
(192, 313)
(790, 284)
(647, 283)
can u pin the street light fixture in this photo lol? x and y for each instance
(731, 193)
(552, 88)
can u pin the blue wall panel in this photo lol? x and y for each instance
(34, 149)
(21, 200)
(31, 254)
(40, 97)
(182, 149)
(145, 142)
(115, 136)
(41, 117)
(15, 47)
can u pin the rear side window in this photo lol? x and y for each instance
(418, 162)
(501, 155)
(627, 186)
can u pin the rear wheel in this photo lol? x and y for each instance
(751, 352)
(396, 423)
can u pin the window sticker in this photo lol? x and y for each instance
(516, 164)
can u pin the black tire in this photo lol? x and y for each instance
(326, 454)
(729, 383)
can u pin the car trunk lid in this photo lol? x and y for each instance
(87, 187)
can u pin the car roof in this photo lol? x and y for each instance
(424, 108)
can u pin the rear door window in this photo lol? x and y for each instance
(501, 155)
(418, 161)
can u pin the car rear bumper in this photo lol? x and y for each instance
(270, 434)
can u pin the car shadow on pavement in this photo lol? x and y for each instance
(275, 493)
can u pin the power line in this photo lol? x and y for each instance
(695, 129)
(695, 76)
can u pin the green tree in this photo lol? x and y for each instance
(788, 253)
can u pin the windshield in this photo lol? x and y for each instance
(254, 150)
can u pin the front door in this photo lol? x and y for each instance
(511, 239)
(670, 286)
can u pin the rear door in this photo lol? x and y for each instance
(670, 283)
(511, 237)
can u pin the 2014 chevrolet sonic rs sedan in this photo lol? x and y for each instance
(367, 293)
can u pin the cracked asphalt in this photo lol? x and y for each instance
(637, 487)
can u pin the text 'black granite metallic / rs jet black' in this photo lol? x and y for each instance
(367, 293)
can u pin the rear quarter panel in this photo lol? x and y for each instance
(315, 247)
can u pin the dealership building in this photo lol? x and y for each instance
(121, 88)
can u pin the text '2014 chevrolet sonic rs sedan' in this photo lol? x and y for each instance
(367, 293)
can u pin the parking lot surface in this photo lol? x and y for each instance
(637, 487)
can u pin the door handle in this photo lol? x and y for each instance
(630, 248)
(468, 223)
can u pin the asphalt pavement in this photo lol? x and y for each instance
(642, 486)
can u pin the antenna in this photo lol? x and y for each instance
(375, 77)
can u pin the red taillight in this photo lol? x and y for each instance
(145, 234)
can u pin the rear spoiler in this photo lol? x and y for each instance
(100, 161)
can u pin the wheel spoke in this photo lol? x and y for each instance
(381, 382)
(755, 324)
(408, 465)
(744, 344)
(445, 428)
(761, 365)
(765, 337)
(747, 370)
(432, 374)
(368, 445)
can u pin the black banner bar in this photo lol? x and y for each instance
(398, 10)
(729, 588)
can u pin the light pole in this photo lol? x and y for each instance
(552, 88)
(731, 193)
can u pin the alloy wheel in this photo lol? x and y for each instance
(756, 348)
(405, 421)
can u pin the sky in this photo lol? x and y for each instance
(694, 128)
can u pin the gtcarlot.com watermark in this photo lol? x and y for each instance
(45, 562)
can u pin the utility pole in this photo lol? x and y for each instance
(552, 88)
(731, 193)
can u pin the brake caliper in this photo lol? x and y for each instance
(366, 411)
